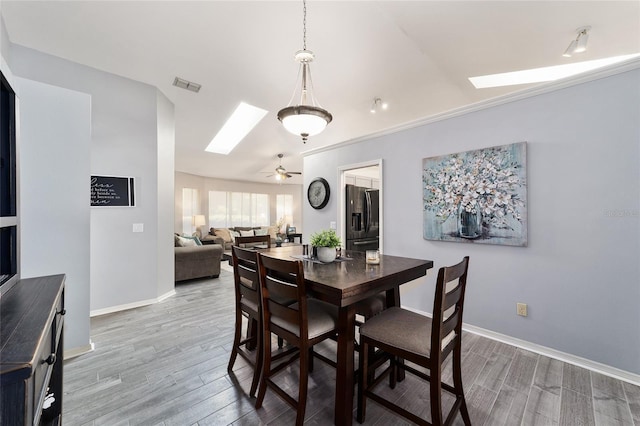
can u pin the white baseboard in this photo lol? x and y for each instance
(126, 306)
(597, 367)
(74, 352)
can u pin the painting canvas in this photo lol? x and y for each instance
(477, 196)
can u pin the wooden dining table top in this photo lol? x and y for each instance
(350, 278)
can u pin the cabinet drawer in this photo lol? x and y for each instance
(42, 370)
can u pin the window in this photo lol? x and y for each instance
(229, 209)
(284, 208)
(190, 201)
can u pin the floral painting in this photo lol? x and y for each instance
(477, 196)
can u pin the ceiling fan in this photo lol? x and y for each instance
(281, 173)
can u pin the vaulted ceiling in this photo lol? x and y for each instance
(415, 55)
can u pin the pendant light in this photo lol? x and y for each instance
(307, 118)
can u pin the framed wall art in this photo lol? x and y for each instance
(112, 191)
(477, 196)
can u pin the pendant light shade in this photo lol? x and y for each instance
(304, 120)
(307, 118)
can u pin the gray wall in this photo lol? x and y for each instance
(132, 135)
(55, 138)
(580, 273)
(165, 183)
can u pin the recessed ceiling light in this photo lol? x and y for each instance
(241, 122)
(539, 75)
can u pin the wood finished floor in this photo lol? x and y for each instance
(166, 364)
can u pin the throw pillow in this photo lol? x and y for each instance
(176, 240)
(224, 234)
(247, 233)
(261, 232)
(190, 241)
(234, 234)
(202, 231)
(273, 232)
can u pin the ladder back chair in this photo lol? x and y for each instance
(423, 341)
(302, 324)
(263, 240)
(247, 301)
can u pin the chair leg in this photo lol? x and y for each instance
(393, 371)
(266, 367)
(457, 385)
(363, 368)
(258, 365)
(305, 361)
(310, 362)
(236, 342)
(436, 396)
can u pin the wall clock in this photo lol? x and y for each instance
(318, 193)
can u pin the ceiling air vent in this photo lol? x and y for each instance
(184, 84)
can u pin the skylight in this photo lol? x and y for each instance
(241, 122)
(539, 75)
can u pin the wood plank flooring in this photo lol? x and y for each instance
(166, 364)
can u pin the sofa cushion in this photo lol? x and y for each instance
(262, 231)
(234, 234)
(247, 233)
(223, 233)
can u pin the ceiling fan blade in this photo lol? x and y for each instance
(295, 173)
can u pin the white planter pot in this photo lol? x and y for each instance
(326, 254)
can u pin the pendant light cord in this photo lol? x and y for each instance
(304, 24)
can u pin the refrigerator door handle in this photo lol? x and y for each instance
(364, 243)
(367, 200)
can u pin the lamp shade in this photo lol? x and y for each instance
(198, 220)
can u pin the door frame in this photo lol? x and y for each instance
(342, 196)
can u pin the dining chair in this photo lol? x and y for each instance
(247, 302)
(303, 324)
(255, 239)
(423, 341)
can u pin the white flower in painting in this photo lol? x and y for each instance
(487, 182)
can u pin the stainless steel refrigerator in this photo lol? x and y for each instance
(363, 218)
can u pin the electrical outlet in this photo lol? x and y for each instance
(332, 225)
(521, 309)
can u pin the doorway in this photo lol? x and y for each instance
(360, 219)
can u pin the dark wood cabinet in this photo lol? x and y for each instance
(31, 350)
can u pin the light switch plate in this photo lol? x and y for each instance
(138, 227)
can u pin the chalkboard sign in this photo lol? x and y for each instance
(112, 191)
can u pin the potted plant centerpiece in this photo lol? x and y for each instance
(326, 243)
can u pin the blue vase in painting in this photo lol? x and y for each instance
(469, 222)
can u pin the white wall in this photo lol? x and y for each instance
(206, 184)
(129, 121)
(54, 142)
(580, 273)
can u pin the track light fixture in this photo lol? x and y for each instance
(578, 45)
(377, 105)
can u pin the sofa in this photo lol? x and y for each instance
(197, 261)
(225, 236)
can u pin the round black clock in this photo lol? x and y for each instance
(318, 193)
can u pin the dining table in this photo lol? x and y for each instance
(344, 282)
